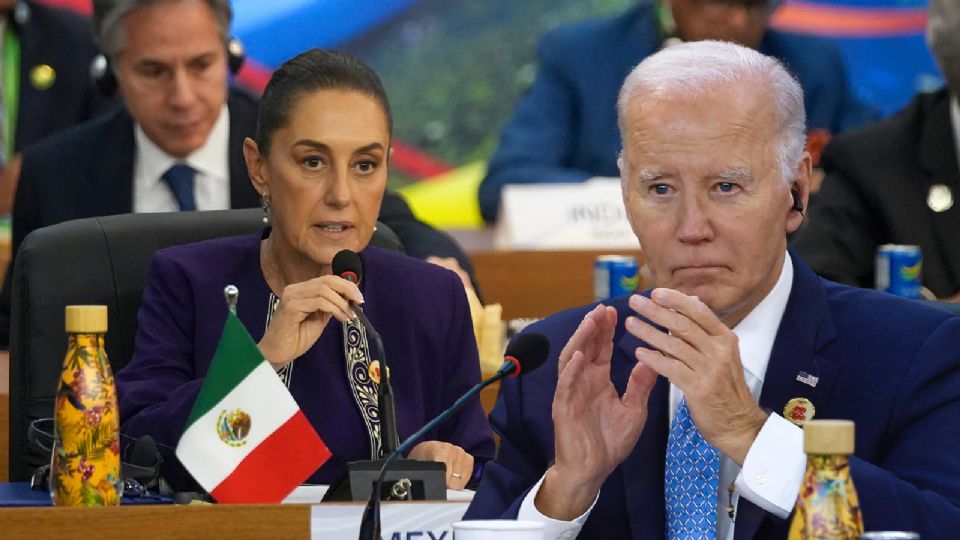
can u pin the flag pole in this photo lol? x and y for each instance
(230, 294)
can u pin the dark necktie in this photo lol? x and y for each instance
(180, 179)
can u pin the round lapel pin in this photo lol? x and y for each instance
(42, 76)
(798, 410)
(940, 198)
(374, 371)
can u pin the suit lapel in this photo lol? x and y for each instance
(643, 469)
(805, 328)
(111, 173)
(938, 159)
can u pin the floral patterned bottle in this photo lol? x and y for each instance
(827, 507)
(85, 467)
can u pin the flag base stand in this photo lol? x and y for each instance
(406, 479)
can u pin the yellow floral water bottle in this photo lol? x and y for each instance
(827, 508)
(85, 468)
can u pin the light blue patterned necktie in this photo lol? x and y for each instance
(691, 479)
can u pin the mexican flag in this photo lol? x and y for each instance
(246, 440)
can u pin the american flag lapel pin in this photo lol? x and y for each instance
(808, 379)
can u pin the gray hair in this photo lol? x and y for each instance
(943, 38)
(108, 18)
(694, 69)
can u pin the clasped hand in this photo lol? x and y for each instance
(701, 356)
(596, 429)
(305, 309)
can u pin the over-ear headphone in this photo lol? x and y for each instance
(21, 14)
(103, 77)
(797, 203)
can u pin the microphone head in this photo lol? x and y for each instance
(527, 352)
(347, 264)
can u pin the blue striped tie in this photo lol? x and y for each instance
(692, 476)
(180, 179)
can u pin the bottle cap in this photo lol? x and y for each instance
(86, 319)
(828, 437)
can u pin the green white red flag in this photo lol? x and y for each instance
(246, 440)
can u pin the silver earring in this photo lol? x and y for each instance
(265, 204)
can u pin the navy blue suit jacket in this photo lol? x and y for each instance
(889, 364)
(62, 40)
(565, 128)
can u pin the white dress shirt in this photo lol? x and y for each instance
(211, 187)
(774, 466)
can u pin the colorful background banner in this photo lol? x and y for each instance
(454, 69)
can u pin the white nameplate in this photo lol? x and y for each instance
(399, 521)
(588, 215)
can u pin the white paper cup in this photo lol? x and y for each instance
(497, 529)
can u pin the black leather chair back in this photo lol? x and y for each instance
(101, 260)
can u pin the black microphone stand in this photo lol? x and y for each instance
(386, 404)
(370, 523)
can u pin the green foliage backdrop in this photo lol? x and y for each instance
(454, 69)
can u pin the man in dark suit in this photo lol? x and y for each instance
(565, 128)
(56, 47)
(895, 182)
(739, 342)
(49, 56)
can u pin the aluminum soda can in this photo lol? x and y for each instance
(615, 275)
(898, 270)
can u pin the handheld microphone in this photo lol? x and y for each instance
(347, 264)
(525, 353)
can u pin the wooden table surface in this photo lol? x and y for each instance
(534, 284)
(162, 522)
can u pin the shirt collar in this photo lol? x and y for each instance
(757, 331)
(211, 159)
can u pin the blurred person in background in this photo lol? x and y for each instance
(565, 128)
(45, 61)
(896, 182)
(319, 159)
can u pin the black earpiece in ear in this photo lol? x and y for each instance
(797, 203)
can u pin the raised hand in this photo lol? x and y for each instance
(305, 309)
(595, 429)
(702, 357)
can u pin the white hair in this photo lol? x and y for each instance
(694, 69)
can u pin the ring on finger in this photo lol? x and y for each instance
(456, 475)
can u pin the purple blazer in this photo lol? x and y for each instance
(419, 309)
